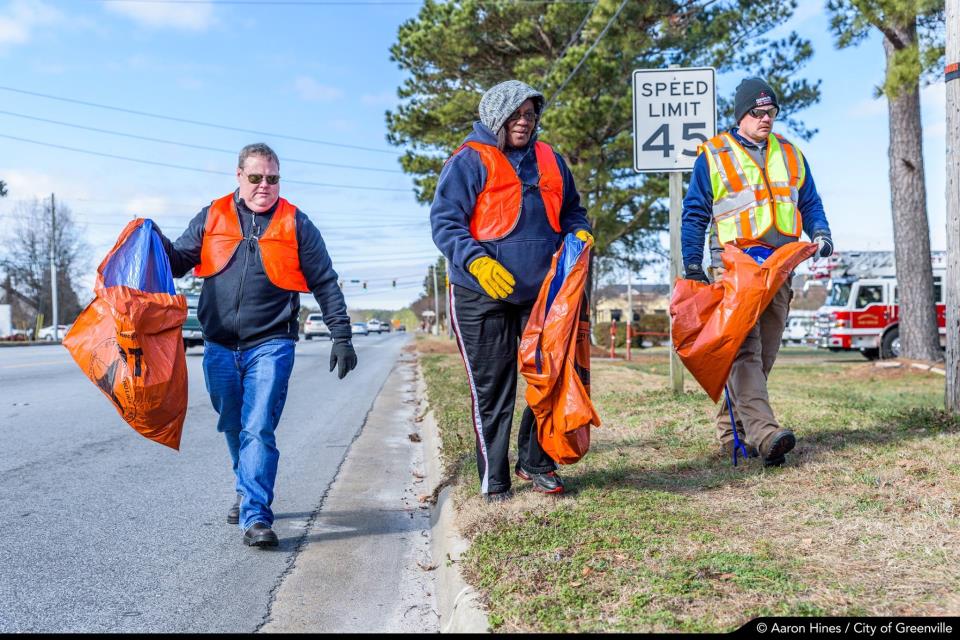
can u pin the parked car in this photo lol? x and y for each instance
(358, 328)
(315, 327)
(46, 333)
(192, 334)
(374, 326)
(402, 327)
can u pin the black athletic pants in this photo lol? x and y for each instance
(488, 332)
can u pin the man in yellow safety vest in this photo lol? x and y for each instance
(753, 188)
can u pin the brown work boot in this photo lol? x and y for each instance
(776, 446)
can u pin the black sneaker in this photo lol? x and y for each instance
(260, 534)
(499, 496)
(233, 516)
(776, 446)
(548, 482)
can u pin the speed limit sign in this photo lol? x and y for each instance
(674, 111)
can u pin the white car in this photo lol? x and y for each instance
(374, 326)
(358, 328)
(314, 326)
(46, 333)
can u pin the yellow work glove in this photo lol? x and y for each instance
(495, 280)
(585, 236)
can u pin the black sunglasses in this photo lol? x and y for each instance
(759, 113)
(257, 178)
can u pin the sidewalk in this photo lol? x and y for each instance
(365, 563)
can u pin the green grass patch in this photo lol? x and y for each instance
(658, 533)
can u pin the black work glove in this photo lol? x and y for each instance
(824, 245)
(695, 272)
(343, 356)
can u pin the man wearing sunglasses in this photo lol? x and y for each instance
(257, 253)
(754, 189)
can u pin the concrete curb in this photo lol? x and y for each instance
(458, 603)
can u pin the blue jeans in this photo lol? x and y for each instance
(248, 389)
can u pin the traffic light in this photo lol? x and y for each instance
(394, 284)
(364, 284)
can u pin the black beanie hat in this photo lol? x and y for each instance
(753, 93)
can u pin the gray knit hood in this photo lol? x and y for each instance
(501, 100)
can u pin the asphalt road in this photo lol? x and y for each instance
(104, 530)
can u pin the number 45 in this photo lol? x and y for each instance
(663, 131)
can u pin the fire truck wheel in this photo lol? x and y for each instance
(891, 344)
(870, 354)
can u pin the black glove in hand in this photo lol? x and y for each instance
(695, 272)
(824, 245)
(343, 356)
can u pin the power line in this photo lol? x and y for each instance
(196, 169)
(200, 123)
(573, 39)
(186, 144)
(585, 55)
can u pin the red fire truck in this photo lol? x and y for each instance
(861, 310)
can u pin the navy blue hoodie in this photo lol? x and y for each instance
(527, 250)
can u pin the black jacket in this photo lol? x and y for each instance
(239, 307)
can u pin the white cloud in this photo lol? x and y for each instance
(25, 185)
(310, 89)
(191, 17)
(21, 17)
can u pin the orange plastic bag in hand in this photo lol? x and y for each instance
(129, 341)
(555, 357)
(711, 321)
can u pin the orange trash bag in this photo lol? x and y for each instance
(555, 356)
(129, 340)
(711, 321)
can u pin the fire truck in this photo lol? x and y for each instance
(861, 311)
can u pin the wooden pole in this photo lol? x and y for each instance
(951, 280)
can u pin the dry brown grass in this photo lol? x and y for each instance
(658, 534)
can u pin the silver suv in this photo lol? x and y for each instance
(314, 326)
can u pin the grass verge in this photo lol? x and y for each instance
(657, 533)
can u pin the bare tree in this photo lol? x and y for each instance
(25, 260)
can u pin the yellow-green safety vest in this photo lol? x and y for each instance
(750, 204)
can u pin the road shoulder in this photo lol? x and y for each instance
(365, 563)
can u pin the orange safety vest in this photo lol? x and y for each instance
(498, 206)
(222, 235)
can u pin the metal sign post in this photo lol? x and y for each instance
(674, 111)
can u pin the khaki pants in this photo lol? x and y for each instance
(748, 377)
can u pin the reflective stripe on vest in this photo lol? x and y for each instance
(753, 205)
(498, 206)
(222, 234)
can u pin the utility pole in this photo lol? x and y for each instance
(629, 309)
(676, 269)
(53, 267)
(446, 295)
(951, 280)
(436, 303)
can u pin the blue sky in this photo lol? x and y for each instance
(323, 73)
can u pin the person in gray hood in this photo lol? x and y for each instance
(503, 204)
